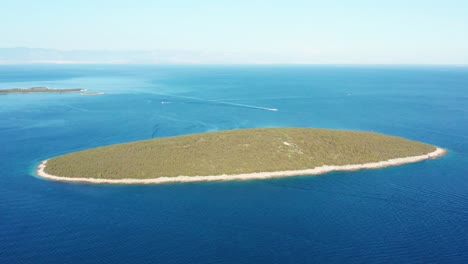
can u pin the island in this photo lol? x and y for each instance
(241, 154)
(91, 93)
(39, 90)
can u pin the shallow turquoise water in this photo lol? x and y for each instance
(416, 213)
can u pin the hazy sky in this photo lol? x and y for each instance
(353, 31)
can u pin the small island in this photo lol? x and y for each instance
(91, 93)
(39, 90)
(236, 155)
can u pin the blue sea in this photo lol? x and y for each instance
(415, 213)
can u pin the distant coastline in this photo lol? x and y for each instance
(40, 90)
(247, 176)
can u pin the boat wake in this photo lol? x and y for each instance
(214, 102)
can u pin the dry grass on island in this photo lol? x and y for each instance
(235, 152)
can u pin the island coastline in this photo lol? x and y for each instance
(33, 90)
(91, 93)
(40, 171)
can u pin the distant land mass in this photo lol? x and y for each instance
(36, 55)
(39, 90)
(24, 55)
(236, 155)
(27, 55)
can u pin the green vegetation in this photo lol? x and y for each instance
(39, 90)
(234, 152)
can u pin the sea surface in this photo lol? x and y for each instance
(415, 213)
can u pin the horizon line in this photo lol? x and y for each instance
(229, 64)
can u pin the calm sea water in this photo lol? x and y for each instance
(416, 213)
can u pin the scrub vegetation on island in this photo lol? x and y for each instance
(234, 152)
(39, 90)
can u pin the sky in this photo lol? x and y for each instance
(287, 31)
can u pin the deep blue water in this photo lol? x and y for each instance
(416, 213)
